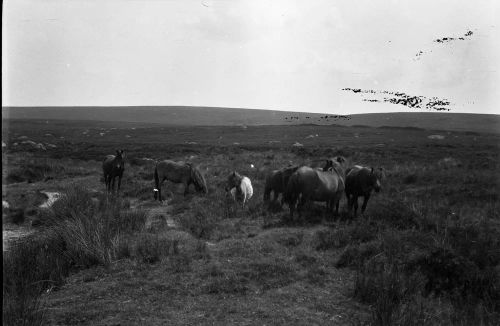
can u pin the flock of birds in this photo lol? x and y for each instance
(412, 101)
(401, 98)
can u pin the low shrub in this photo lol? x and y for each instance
(220, 282)
(410, 178)
(15, 215)
(356, 255)
(385, 287)
(330, 239)
(121, 247)
(130, 220)
(33, 172)
(268, 273)
(151, 248)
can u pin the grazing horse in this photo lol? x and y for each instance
(308, 184)
(240, 187)
(112, 167)
(178, 172)
(360, 181)
(276, 183)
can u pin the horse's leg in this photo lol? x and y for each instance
(280, 200)
(291, 205)
(301, 203)
(186, 189)
(365, 202)
(108, 184)
(355, 200)
(119, 183)
(113, 185)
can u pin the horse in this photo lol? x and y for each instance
(335, 161)
(178, 172)
(240, 187)
(360, 181)
(276, 183)
(308, 184)
(112, 167)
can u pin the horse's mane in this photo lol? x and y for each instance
(339, 169)
(380, 173)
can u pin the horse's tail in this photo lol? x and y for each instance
(157, 180)
(198, 179)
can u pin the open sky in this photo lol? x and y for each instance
(277, 54)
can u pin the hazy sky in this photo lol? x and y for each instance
(284, 55)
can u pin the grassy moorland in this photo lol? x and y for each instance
(217, 116)
(426, 252)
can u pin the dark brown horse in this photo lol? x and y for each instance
(308, 184)
(112, 167)
(178, 172)
(360, 181)
(276, 183)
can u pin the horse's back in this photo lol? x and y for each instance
(287, 172)
(246, 185)
(317, 184)
(108, 159)
(357, 179)
(106, 163)
(173, 171)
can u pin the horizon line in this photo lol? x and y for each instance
(227, 107)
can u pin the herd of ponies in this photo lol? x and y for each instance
(297, 185)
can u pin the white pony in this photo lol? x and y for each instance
(240, 187)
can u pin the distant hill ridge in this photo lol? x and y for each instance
(213, 116)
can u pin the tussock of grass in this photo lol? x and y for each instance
(30, 267)
(76, 234)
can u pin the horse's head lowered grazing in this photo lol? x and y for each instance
(198, 180)
(233, 181)
(240, 187)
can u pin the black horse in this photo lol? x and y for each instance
(112, 167)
